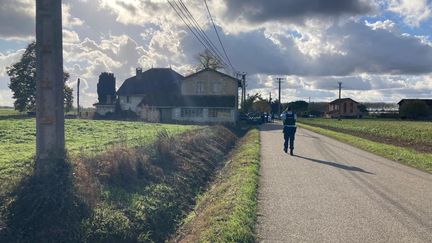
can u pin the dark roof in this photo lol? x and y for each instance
(342, 100)
(163, 81)
(427, 101)
(189, 101)
(220, 73)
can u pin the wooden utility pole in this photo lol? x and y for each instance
(280, 90)
(78, 98)
(50, 138)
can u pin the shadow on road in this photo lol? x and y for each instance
(340, 166)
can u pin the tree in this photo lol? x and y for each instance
(208, 60)
(299, 106)
(68, 98)
(247, 106)
(23, 82)
(261, 106)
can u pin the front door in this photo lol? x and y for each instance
(166, 115)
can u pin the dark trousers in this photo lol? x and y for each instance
(289, 136)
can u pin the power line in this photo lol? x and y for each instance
(194, 27)
(184, 21)
(203, 34)
(217, 33)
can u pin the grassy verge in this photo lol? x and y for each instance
(227, 211)
(125, 194)
(407, 156)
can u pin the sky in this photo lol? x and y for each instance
(381, 50)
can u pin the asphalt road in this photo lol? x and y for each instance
(333, 192)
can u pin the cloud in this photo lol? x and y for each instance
(385, 25)
(258, 11)
(17, 19)
(413, 11)
(340, 50)
(313, 44)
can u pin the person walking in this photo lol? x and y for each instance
(289, 119)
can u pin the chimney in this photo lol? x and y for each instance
(139, 72)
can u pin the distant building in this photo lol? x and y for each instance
(346, 107)
(163, 95)
(415, 108)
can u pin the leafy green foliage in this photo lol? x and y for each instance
(68, 98)
(248, 105)
(297, 106)
(23, 82)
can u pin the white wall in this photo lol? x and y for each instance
(104, 109)
(134, 101)
(205, 118)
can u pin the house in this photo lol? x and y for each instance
(208, 96)
(161, 82)
(163, 95)
(415, 108)
(346, 107)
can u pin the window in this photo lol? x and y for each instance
(191, 112)
(219, 113)
(217, 87)
(199, 87)
(128, 99)
(351, 107)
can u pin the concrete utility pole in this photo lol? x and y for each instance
(339, 103)
(78, 98)
(50, 140)
(280, 101)
(244, 88)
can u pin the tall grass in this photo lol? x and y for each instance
(227, 211)
(125, 194)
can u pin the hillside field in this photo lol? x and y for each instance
(17, 136)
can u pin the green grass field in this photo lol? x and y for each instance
(17, 136)
(8, 112)
(404, 133)
(407, 142)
